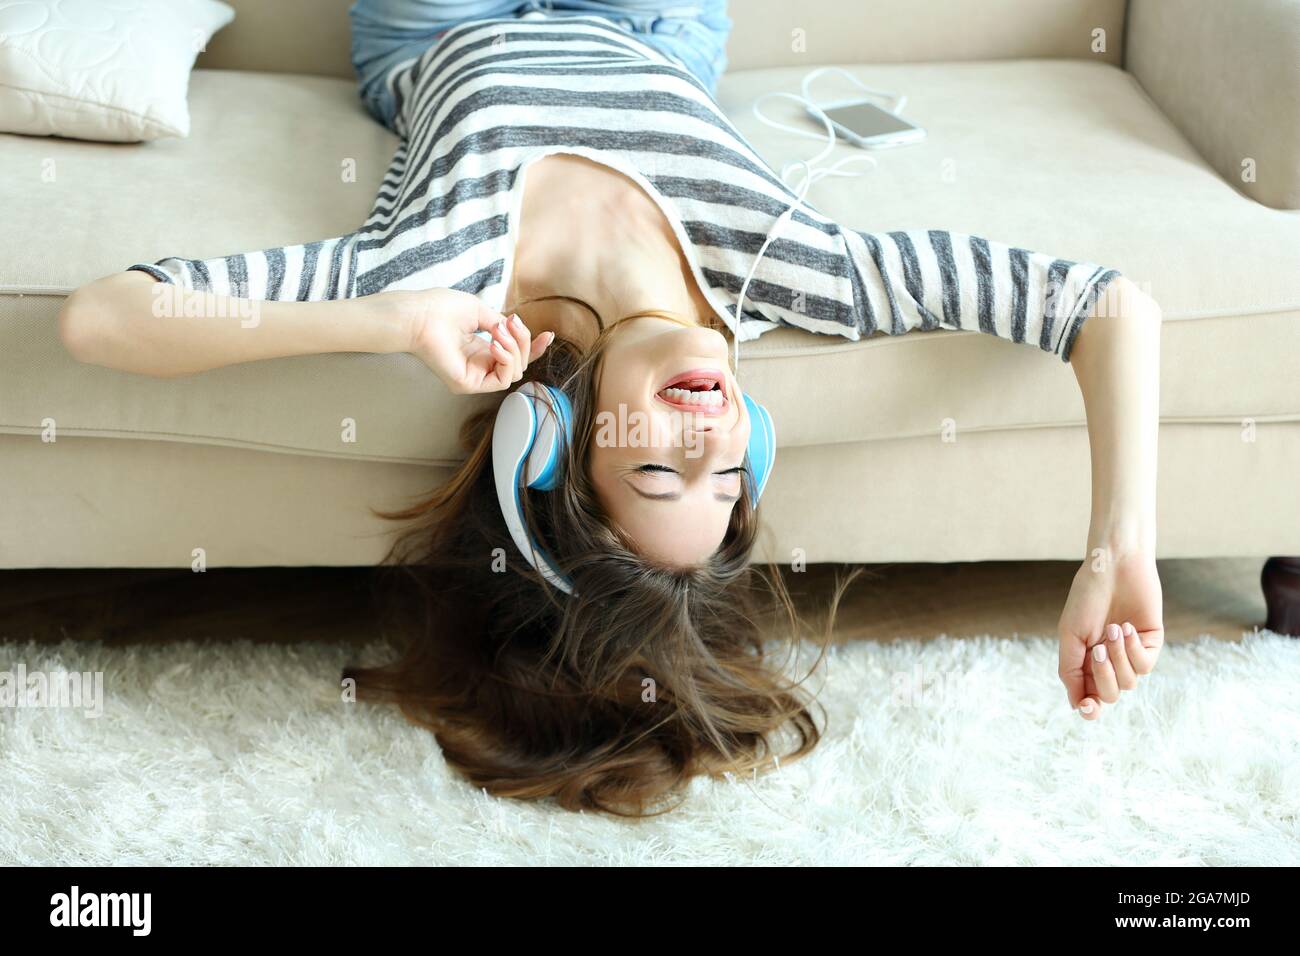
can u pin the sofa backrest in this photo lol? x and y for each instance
(284, 36)
(789, 33)
(312, 36)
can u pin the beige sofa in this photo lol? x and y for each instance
(1111, 130)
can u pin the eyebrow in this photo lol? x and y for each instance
(675, 495)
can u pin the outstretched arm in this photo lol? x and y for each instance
(131, 322)
(1112, 629)
(178, 316)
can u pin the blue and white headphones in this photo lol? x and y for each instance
(527, 452)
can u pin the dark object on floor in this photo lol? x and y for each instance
(1281, 582)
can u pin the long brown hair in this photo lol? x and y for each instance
(609, 700)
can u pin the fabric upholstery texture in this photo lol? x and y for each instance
(114, 71)
(248, 462)
(832, 31)
(1228, 75)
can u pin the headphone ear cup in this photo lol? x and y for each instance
(762, 447)
(545, 466)
(526, 451)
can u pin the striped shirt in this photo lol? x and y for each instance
(491, 96)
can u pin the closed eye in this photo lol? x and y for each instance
(739, 469)
(654, 469)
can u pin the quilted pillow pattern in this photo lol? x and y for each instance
(115, 70)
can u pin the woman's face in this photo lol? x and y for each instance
(670, 440)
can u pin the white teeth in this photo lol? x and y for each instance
(684, 396)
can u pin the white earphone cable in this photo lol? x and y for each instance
(810, 173)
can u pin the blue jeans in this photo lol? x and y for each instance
(388, 32)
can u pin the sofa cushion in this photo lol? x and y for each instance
(1061, 156)
(116, 72)
(1066, 157)
(270, 159)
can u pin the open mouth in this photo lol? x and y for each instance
(700, 390)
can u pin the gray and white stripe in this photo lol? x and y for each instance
(491, 96)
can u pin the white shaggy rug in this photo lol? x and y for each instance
(941, 752)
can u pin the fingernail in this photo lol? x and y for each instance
(499, 347)
(1112, 632)
(1129, 629)
(1086, 706)
(1099, 653)
(516, 321)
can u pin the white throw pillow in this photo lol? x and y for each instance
(114, 70)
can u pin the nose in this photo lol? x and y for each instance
(713, 441)
(714, 428)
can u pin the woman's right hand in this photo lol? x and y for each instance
(443, 323)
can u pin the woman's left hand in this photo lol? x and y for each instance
(1111, 631)
(443, 328)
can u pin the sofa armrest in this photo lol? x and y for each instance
(1228, 76)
